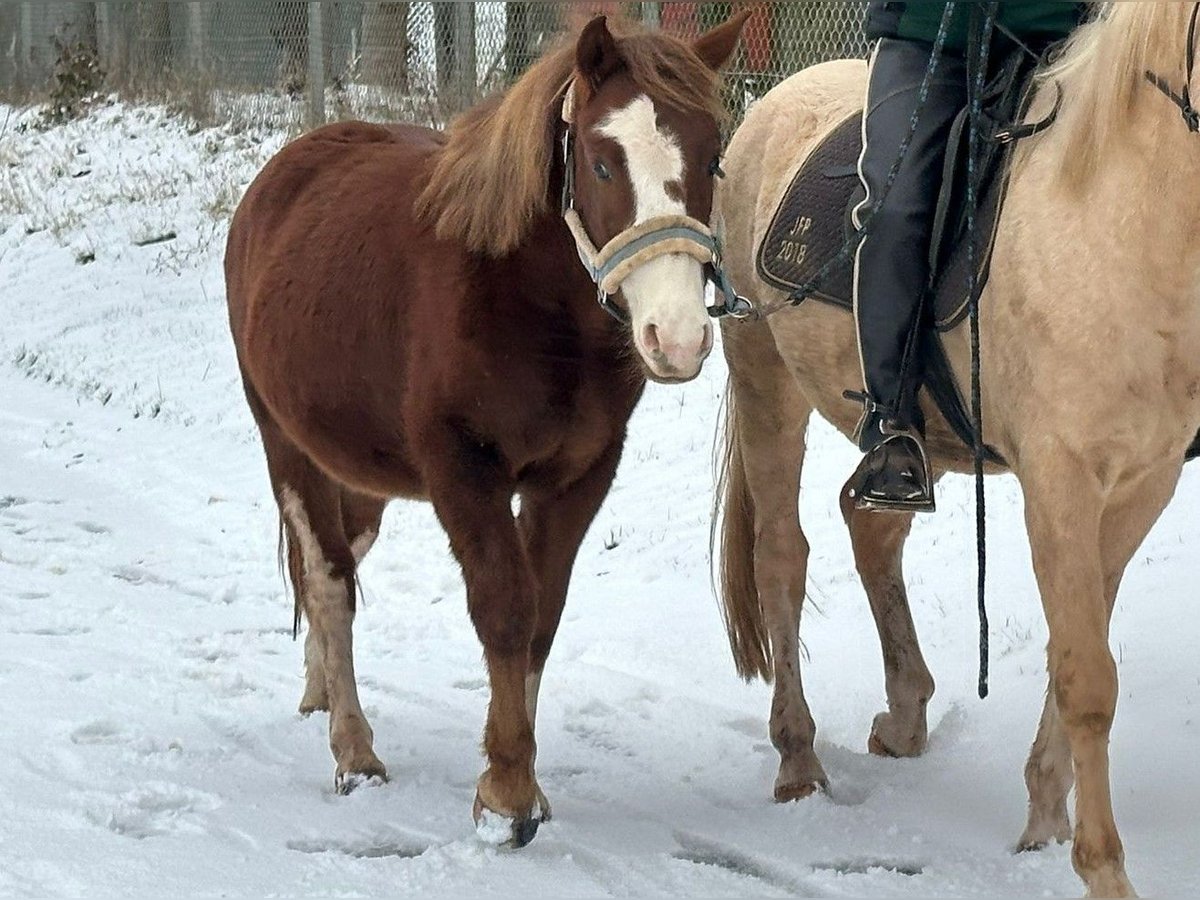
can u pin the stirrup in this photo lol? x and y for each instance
(868, 483)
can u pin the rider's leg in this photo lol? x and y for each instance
(891, 270)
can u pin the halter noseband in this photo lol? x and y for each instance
(1191, 116)
(610, 265)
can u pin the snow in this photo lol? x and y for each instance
(150, 681)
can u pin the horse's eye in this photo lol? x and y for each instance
(714, 168)
(602, 172)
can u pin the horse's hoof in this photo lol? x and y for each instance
(348, 782)
(1109, 882)
(788, 793)
(1040, 837)
(896, 742)
(878, 748)
(500, 830)
(544, 807)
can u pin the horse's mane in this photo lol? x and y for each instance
(491, 179)
(1101, 72)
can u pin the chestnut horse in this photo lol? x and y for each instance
(1090, 335)
(412, 320)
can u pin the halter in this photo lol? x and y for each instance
(610, 265)
(1191, 116)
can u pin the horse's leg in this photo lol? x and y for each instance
(322, 566)
(772, 416)
(1048, 772)
(1048, 777)
(361, 515)
(1080, 550)
(878, 542)
(553, 527)
(472, 495)
(316, 691)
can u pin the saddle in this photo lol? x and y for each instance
(811, 227)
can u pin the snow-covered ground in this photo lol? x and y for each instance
(149, 680)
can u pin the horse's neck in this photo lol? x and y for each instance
(1141, 203)
(552, 278)
(1153, 193)
(1138, 165)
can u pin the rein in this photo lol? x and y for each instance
(610, 265)
(1191, 116)
(979, 45)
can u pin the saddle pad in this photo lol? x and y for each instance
(809, 228)
(812, 224)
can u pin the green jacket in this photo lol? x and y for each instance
(1038, 21)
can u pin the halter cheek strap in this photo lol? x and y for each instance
(610, 265)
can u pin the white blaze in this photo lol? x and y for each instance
(652, 156)
(666, 294)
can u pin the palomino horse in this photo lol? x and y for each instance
(412, 320)
(1091, 392)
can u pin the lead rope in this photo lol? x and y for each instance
(983, 22)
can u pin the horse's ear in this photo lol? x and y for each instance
(716, 47)
(596, 53)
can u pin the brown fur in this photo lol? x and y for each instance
(1090, 346)
(385, 354)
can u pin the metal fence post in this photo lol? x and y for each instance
(25, 51)
(316, 66)
(467, 61)
(195, 22)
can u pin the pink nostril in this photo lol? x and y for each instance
(707, 345)
(650, 339)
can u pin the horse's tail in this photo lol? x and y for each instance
(283, 551)
(737, 588)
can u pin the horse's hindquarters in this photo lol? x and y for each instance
(314, 287)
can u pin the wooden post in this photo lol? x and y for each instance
(316, 66)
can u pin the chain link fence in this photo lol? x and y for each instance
(295, 64)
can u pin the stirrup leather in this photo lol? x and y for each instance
(909, 491)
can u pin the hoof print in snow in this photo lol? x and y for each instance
(702, 852)
(377, 847)
(154, 810)
(907, 868)
(99, 732)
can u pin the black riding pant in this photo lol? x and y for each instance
(891, 269)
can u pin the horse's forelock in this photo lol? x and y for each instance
(491, 178)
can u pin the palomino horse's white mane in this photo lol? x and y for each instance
(1102, 75)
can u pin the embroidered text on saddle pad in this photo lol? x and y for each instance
(810, 226)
